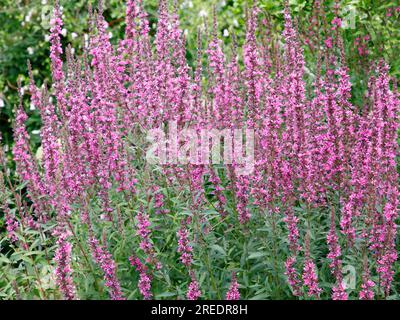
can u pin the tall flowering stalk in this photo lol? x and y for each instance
(233, 292)
(293, 168)
(26, 165)
(143, 232)
(104, 259)
(194, 291)
(367, 286)
(10, 218)
(184, 247)
(185, 250)
(310, 278)
(253, 72)
(293, 91)
(290, 264)
(335, 262)
(144, 284)
(51, 147)
(386, 108)
(63, 269)
(55, 57)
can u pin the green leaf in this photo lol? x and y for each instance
(219, 249)
(256, 255)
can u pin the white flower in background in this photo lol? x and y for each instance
(74, 35)
(86, 37)
(186, 32)
(110, 35)
(46, 15)
(32, 107)
(226, 33)
(44, 2)
(35, 131)
(30, 50)
(235, 23)
(2, 104)
(47, 38)
(72, 51)
(187, 4)
(203, 13)
(39, 152)
(223, 3)
(28, 16)
(64, 32)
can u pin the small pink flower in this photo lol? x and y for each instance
(193, 291)
(233, 293)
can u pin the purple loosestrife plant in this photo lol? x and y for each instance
(104, 260)
(184, 247)
(309, 276)
(11, 222)
(144, 283)
(317, 153)
(335, 262)
(233, 292)
(63, 269)
(194, 291)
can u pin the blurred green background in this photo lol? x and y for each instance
(371, 30)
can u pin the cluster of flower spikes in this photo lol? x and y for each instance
(306, 148)
(144, 283)
(81, 145)
(144, 268)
